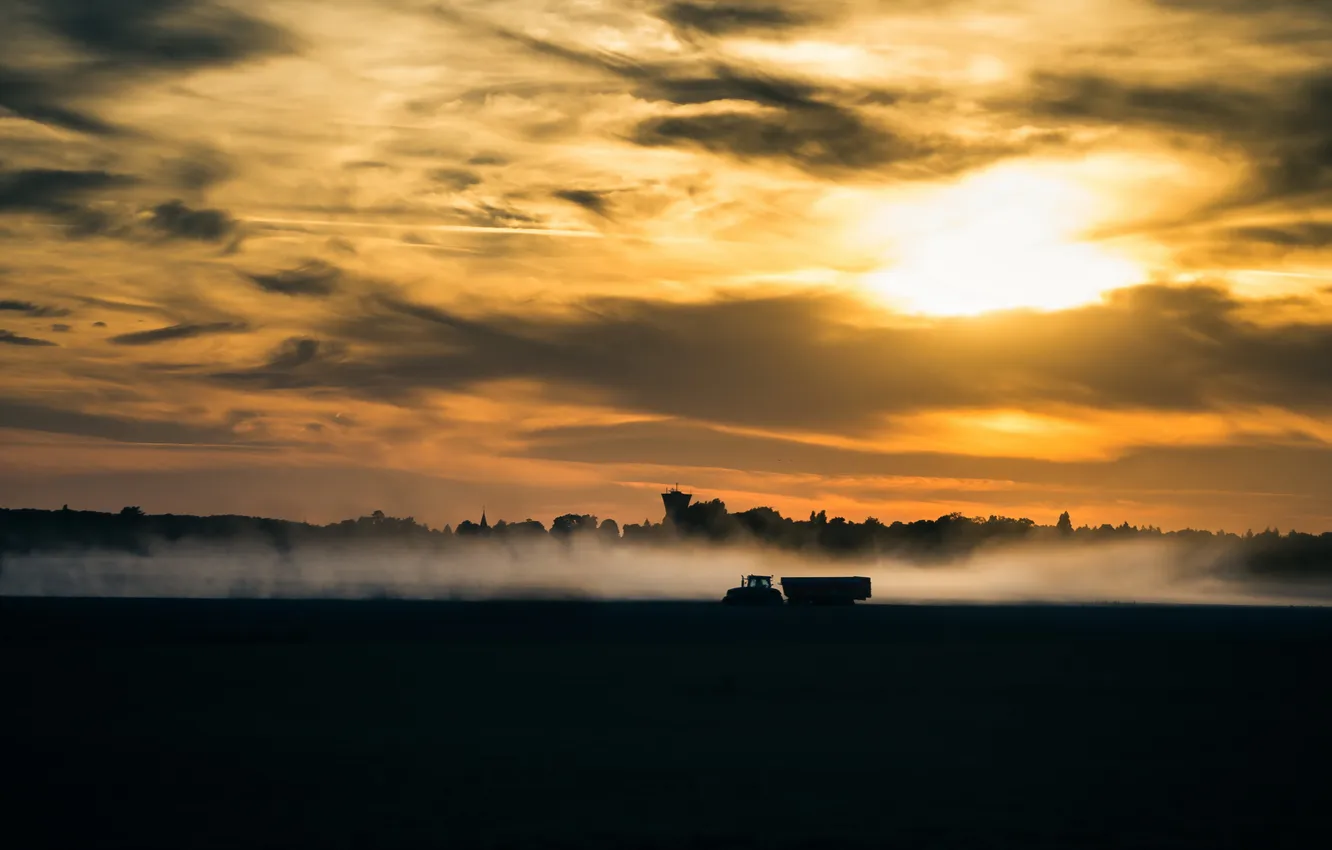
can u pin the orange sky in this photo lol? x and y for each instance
(315, 259)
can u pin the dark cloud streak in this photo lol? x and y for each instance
(456, 179)
(804, 124)
(35, 310)
(1257, 468)
(121, 307)
(35, 417)
(815, 140)
(161, 34)
(11, 338)
(283, 371)
(118, 43)
(1299, 235)
(175, 332)
(314, 278)
(54, 190)
(728, 17)
(794, 361)
(1284, 125)
(176, 220)
(201, 168)
(590, 200)
(294, 352)
(45, 99)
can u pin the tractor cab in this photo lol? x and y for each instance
(754, 590)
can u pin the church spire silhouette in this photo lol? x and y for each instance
(484, 524)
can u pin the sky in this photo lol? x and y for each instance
(891, 259)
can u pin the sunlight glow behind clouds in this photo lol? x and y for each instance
(1000, 240)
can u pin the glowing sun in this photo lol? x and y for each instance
(1004, 239)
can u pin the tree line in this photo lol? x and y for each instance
(32, 531)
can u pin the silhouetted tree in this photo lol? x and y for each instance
(764, 523)
(838, 535)
(467, 528)
(644, 533)
(708, 519)
(527, 528)
(568, 524)
(1065, 524)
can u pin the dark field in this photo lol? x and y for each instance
(182, 724)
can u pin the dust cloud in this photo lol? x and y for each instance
(1138, 571)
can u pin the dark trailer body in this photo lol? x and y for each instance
(825, 590)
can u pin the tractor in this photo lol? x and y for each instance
(754, 590)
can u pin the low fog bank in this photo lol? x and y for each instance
(1131, 571)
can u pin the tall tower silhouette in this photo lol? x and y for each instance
(676, 503)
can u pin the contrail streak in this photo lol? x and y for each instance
(449, 228)
(472, 228)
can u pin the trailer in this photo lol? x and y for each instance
(825, 590)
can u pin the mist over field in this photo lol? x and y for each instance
(1132, 571)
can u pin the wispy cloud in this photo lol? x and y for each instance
(314, 277)
(11, 338)
(31, 309)
(176, 332)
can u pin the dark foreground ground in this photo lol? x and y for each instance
(381, 724)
